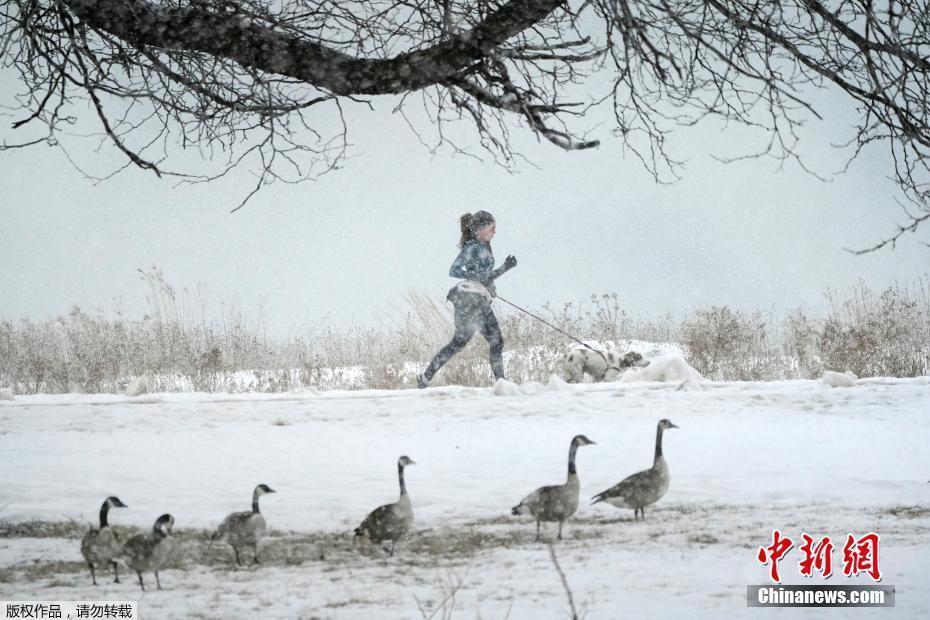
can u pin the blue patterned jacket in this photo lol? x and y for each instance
(475, 263)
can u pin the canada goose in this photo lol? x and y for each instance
(149, 552)
(644, 487)
(391, 521)
(100, 546)
(245, 529)
(557, 502)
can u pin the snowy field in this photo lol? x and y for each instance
(798, 456)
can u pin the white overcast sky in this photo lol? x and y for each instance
(347, 248)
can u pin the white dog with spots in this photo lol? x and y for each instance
(600, 366)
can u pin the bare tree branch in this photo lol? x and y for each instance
(261, 84)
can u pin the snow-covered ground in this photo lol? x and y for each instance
(798, 456)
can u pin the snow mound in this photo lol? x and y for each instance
(670, 367)
(839, 379)
(532, 387)
(558, 384)
(688, 385)
(503, 387)
(138, 386)
(654, 349)
(6, 394)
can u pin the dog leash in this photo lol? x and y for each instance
(561, 331)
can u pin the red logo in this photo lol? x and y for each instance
(819, 557)
(859, 555)
(774, 552)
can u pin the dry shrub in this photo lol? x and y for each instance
(179, 348)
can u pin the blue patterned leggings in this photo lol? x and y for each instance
(472, 313)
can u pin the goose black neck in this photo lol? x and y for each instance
(400, 478)
(658, 443)
(158, 533)
(104, 510)
(571, 458)
(255, 501)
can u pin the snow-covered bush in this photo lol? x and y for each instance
(873, 335)
(800, 342)
(728, 344)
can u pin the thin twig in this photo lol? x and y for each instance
(568, 590)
